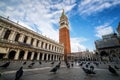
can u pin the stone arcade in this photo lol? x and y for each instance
(20, 43)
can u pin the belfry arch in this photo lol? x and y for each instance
(11, 54)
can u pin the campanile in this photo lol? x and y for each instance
(64, 35)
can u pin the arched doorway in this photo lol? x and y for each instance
(29, 55)
(41, 56)
(48, 56)
(11, 54)
(35, 56)
(104, 55)
(45, 56)
(21, 55)
(52, 58)
(1, 56)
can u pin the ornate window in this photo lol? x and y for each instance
(7, 34)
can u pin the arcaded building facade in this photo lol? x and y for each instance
(83, 56)
(20, 43)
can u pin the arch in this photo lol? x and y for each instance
(1, 56)
(17, 37)
(112, 51)
(42, 44)
(52, 57)
(41, 56)
(37, 43)
(48, 56)
(46, 46)
(25, 39)
(11, 54)
(45, 56)
(7, 34)
(35, 56)
(49, 46)
(29, 55)
(21, 55)
(32, 40)
(89, 59)
(103, 53)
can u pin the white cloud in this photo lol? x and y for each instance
(103, 30)
(76, 44)
(43, 13)
(87, 7)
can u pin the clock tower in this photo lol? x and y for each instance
(64, 35)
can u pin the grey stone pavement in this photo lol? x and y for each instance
(41, 72)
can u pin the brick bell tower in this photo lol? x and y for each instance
(64, 36)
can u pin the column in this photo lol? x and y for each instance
(34, 42)
(38, 56)
(39, 45)
(17, 54)
(46, 56)
(12, 36)
(21, 38)
(51, 47)
(43, 45)
(54, 48)
(53, 57)
(25, 55)
(50, 57)
(6, 56)
(29, 40)
(43, 56)
(32, 56)
(56, 57)
(2, 30)
(47, 46)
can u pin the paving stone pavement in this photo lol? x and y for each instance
(41, 72)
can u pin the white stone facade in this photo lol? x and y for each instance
(83, 56)
(20, 43)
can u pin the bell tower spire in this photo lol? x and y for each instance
(64, 36)
(63, 12)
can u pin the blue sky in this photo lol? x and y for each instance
(88, 19)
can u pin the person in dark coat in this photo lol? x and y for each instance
(19, 73)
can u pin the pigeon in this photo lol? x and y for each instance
(30, 66)
(87, 71)
(112, 70)
(81, 64)
(5, 65)
(116, 67)
(19, 73)
(58, 65)
(86, 65)
(52, 62)
(54, 69)
(68, 65)
(24, 63)
(91, 68)
(40, 62)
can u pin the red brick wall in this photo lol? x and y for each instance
(64, 37)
